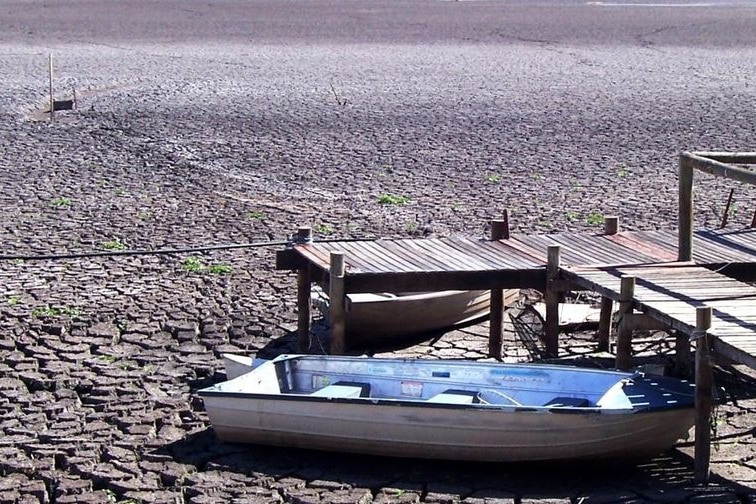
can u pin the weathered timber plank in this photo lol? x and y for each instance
(525, 259)
(462, 259)
(467, 259)
(575, 252)
(524, 252)
(483, 256)
(354, 256)
(636, 241)
(387, 261)
(534, 246)
(598, 249)
(447, 260)
(729, 246)
(400, 249)
(433, 261)
(446, 280)
(368, 255)
(317, 254)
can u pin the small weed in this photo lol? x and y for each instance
(60, 203)
(193, 264)
(493, 179)
(595, 218)
(114, 244)
(120, 192)
(457, 207)
(122, 325)
(323, 229)
(411, 227)
(144, 215)
(571, 215)
(55, 311)
(623, 172)
(14, 300)
(17, 261)
(538, 176)
(393, 199)
(255, 214)
(220, 269)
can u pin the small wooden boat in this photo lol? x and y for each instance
(378, 319)
(458, 410)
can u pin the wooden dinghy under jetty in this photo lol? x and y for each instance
(385, 318)
(449, 409)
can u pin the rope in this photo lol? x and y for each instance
(166, 251)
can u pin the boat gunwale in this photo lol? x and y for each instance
(424, 403)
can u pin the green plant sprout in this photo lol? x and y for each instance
(595, 218)
(114, 244)
(60, 203)
(393, 199)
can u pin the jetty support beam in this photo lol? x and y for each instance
(552, 301)
(625, 327)
(499, 231)
(704, 382)
(611, 227)
(337, 302)
(304, 297)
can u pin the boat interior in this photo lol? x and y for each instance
(451, 383)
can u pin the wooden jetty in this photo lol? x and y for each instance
(661, 280)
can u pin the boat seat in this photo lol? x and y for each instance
(455, 396)
(344, 390)
(568, 402)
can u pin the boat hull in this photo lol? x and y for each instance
(404, 430)
(385, 319)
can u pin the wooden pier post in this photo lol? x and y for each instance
(611, 227)
(499, 231)
(683, 361)
(52, 95)
(304, 297)
(605, 324)
(337, 303)
(685, 211)
(552, 301)
(704, 382)
(625, 329)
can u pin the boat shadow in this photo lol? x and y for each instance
(668, 476)
(320, 341)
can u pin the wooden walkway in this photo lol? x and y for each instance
(670, 294)
(667, 291)
(517, 262)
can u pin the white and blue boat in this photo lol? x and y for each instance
(449, 409)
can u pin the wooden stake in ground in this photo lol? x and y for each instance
(52, 96)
